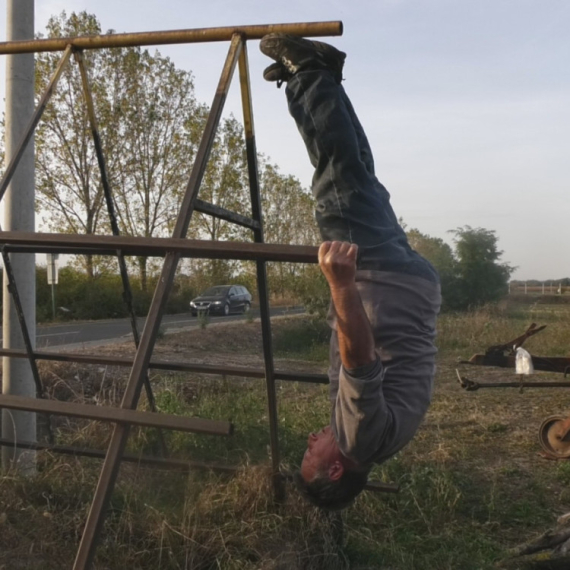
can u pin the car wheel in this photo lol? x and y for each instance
(226, 310)
(246, 307)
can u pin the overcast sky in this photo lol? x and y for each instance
(466, 104)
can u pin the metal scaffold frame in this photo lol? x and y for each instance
(172, 250)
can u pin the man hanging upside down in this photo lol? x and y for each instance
(385, 296)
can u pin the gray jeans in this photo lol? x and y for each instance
(351, 204)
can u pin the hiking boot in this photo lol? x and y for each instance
(276, 72)
(297, 54)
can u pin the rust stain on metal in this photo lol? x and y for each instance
(197, 35)
(117, 415)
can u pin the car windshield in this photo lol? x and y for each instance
(215, 292)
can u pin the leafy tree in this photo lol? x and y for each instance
(69, 191)
(288, 211)
(146, 113)
(471, 273)
(435, 250)
(225, 185)
(482, 278)
(441, 256)
(155, 110)
(150, 125)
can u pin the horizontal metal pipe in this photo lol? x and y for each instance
(477, 385)
(117, 415)
(544, 363)
(158, 462)
(241, 371)
(380, 487)
(158, 247)
(375, 486)
(311, 29)
(273, 252)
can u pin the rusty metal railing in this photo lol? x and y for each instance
(172, 250)
(201, 35)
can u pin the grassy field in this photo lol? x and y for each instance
(472, 482)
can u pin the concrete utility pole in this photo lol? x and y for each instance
(19, 215)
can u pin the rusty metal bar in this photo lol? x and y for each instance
(117, 415)
(86, 552)
(545, 363)
(473, 385)
(29, 353)
(380, 487)
(162, 463)
(240, 371)
(250, 32)
(277, 479)
(127, 292)
(107, 189)
(158, 462)
(31, 126)
(374, 486)
(223, 214)
(158, 247)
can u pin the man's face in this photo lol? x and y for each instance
(322, 453)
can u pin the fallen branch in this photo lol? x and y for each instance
(550, 539)
(532, 555)
(538, 562)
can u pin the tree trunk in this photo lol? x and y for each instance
(143, 272)
(89, 266)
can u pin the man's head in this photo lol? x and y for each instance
(327, 478)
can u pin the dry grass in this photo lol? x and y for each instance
(472, 483)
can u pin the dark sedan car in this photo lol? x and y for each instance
(222, 300)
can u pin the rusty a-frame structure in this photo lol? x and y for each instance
(171, 249)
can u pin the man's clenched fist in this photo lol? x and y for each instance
(337, 260)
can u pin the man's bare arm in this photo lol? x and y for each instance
(337, 261)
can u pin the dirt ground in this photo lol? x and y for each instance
(474, 483)
(490, 428)
(232, 343)
(511, 415)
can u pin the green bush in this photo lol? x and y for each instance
(78, 297)
(308, 337)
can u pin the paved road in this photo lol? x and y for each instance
(102, 332)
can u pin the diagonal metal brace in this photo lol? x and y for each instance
(13, 289)
(127, 291)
